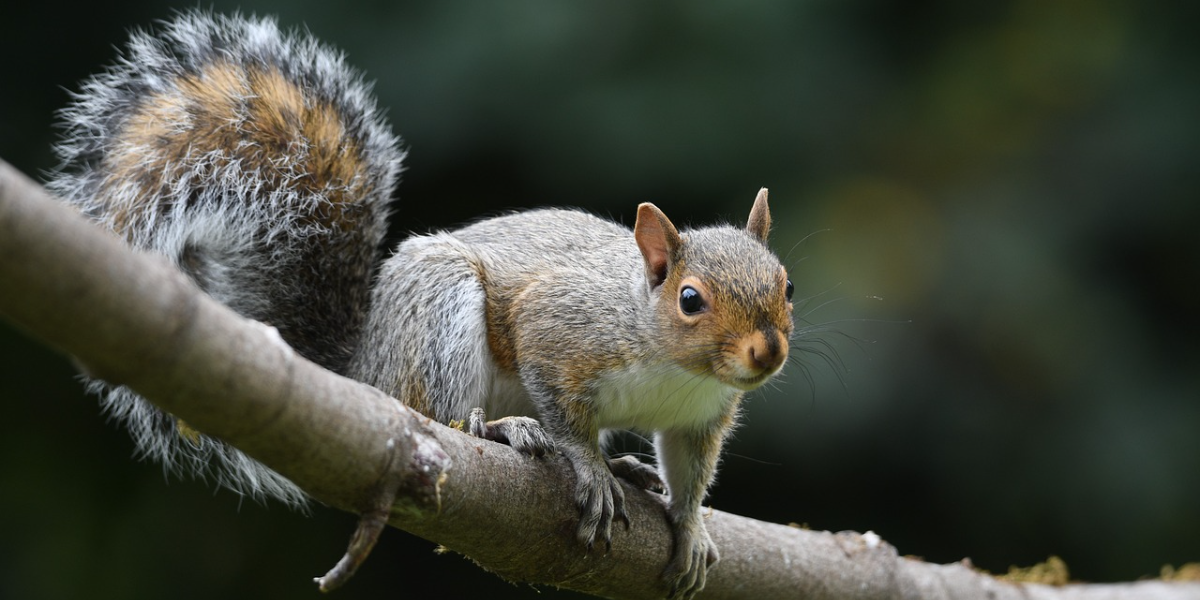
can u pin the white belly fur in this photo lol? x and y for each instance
(658, 398)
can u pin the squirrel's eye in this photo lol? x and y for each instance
(789, 290)
(690, 301)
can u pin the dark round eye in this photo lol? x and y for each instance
(789, 290)
(690, 301)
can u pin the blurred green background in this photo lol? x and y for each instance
(991, 209)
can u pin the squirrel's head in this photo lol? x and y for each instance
(725, 301)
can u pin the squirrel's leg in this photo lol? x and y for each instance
(688, 459)
(425, 342)
(598, 495)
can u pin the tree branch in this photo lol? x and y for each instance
(133, 319)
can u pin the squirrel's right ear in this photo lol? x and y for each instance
(657, 239)
(759, 224)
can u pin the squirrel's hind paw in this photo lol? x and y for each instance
(638, 473)
(524, 434)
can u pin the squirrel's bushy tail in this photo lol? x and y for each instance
(258, 162)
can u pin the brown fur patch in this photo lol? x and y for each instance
(500, 336)
(313, 129)
(255, 116)
(500, 327)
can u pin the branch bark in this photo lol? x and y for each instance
(133, 319)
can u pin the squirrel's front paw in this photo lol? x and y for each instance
(522, 433)
(692, 556)
(601, 500)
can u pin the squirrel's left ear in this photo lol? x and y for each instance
(759, 224)
(658, 240)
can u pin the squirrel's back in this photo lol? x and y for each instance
(257, 161)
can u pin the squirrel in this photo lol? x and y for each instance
(258, 162)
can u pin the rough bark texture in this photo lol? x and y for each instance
(134, 320)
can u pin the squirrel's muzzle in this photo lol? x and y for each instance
(758, 356)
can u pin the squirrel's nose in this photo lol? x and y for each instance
(760, 357)
(765, 352)
(764, 359)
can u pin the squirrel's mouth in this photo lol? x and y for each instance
(747, 384)
(747, 378)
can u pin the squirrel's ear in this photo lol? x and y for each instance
(657, 239)
(759, 224)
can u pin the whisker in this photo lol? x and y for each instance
(806, 373)
(769, 463)
(809, 311)
(788, 255)
(832, 359)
